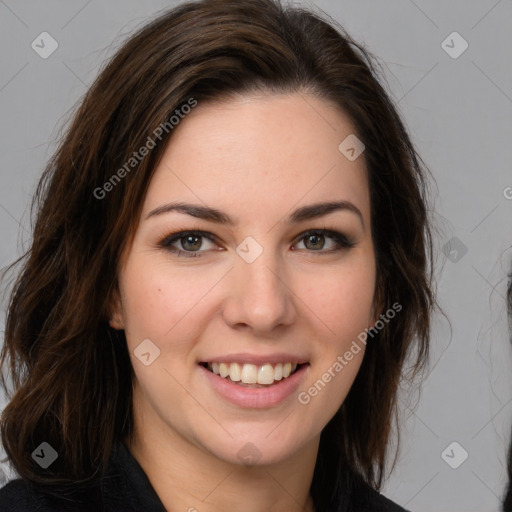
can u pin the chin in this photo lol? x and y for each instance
(254, 450)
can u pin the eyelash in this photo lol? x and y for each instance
(341, 240)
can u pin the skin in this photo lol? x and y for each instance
(257, 158)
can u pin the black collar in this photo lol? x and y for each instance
(126, 485)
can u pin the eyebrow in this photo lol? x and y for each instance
(301, 214)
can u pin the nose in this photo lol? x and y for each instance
(259, 298)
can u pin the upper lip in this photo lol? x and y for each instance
(257, 359)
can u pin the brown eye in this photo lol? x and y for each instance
(324, 241)
(191, 243)
(314, 242)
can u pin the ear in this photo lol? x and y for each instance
(116, 311)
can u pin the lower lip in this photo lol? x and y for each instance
(257, 398)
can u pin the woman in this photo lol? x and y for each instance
(230, 267)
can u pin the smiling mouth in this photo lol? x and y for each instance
(251, 375)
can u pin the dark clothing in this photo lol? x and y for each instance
(126, 488)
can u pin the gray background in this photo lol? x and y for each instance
(459, 112)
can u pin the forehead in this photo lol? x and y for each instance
(259, 155)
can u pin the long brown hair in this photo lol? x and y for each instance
(71, 372)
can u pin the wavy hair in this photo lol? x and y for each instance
(70, 370)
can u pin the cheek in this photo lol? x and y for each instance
(157, 297)
(340, 308)
(342, 300)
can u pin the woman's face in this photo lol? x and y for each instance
(248, 285)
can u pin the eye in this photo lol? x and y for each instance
(193, 243)
(323, 240)
(186, 243)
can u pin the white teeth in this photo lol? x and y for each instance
(223, 369)
(251, 374)
(235, 372)
(266, 374)
(278, 371)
